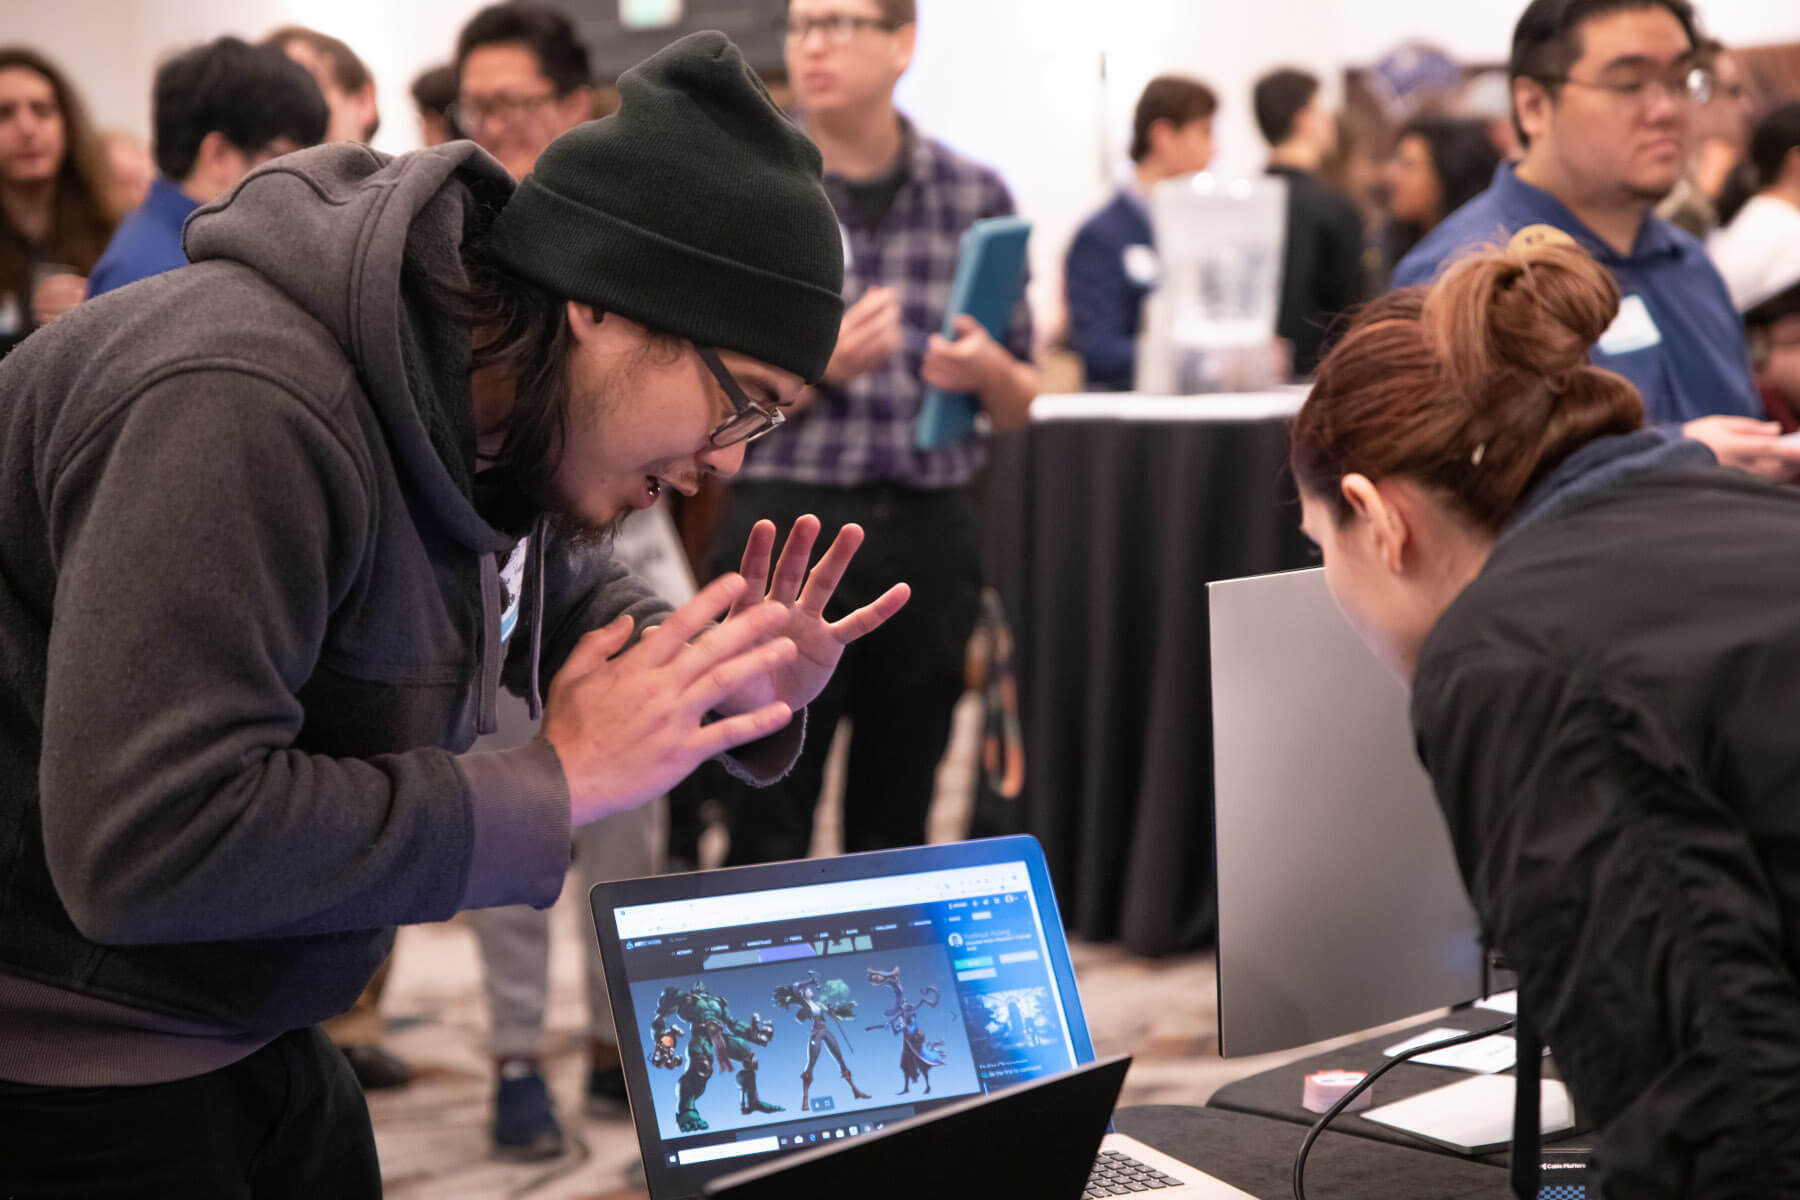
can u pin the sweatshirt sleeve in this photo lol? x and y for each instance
(1638, 915)
(588, 588)
(203, 538)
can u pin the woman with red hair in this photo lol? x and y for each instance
(1601, 632)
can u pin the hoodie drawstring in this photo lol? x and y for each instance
(488, 717)
(534, 573)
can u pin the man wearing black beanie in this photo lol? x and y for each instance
(281, 524)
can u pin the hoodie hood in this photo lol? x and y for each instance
(1599, 465)
(369, 245)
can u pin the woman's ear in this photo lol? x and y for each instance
(1384, 523)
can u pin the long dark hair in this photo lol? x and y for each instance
(80, 222)
(521, 330)
(1464, 158)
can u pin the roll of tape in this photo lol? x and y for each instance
(1326, 1088)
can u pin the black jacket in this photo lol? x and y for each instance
(1321, 268)
(1610, 713)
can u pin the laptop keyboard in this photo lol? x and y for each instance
(1117, 1174)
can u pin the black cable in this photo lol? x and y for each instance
(1312, 1135)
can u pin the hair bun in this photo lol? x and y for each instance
(1536, 307)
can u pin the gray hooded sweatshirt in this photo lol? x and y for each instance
(250, 624)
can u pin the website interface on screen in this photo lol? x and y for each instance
(774, 1020)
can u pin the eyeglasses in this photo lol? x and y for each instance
(838, 28)
(749, 420)
(470, 113)
(1683, 84)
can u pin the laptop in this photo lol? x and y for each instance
(765, 1012)
(970, 1147)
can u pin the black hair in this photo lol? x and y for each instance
(434, 91)
(252, 95)
(1463, 157)
(1279, 98)
(1172, 98)
(1462, 154)
(1777, 135)
(546, 32)
(1547, 40)
(520, 329)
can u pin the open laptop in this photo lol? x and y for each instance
(968, 1148)
(771, 1010)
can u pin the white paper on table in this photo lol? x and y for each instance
(1486, 1055)
(1501, 1002)
(1474, 1115)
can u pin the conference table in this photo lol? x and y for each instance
(1256, 1155)
(1104, 520)
(1275, 1094)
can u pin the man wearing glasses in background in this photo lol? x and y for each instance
(1602, 98)
(523, 80)
(903, 201)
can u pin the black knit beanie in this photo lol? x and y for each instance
(695, 210)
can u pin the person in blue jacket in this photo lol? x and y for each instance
(219, 109)
(1112, 265)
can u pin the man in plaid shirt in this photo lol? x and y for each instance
(847, 454)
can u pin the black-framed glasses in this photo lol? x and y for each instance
(838, 28)
(748, 420)
(1683, 83)
(470, 113)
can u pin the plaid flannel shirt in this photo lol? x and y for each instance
(863, 433)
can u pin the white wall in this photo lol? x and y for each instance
(111, 47)
(1015, 83)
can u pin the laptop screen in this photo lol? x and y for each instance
(789, 1006)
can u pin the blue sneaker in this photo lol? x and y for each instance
(525, 1125)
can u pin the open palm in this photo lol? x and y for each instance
(820, 643)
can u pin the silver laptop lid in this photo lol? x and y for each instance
(1340, 905)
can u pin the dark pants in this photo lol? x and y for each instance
(898, 686)
(287, 1121)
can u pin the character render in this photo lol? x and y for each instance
(917, 1056)
(717, 1036)
(817, 1001)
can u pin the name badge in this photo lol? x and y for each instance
(1633, 329)
(1141, 265)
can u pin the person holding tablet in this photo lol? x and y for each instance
(903, 201)
(1598, 627)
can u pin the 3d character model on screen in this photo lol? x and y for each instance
(820, 1002)
(917, 1056)
(717, 1036)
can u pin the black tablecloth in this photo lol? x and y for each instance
(1276, 1092)
(1257, 1155)
(1101, 537)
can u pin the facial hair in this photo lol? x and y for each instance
(569, 526)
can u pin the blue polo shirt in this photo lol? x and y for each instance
(147, 242)
(1678, 337)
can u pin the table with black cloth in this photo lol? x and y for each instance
(1275, 1093)
(1256, 1155)
(1104, 520)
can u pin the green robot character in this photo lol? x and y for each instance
(718, 1037)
